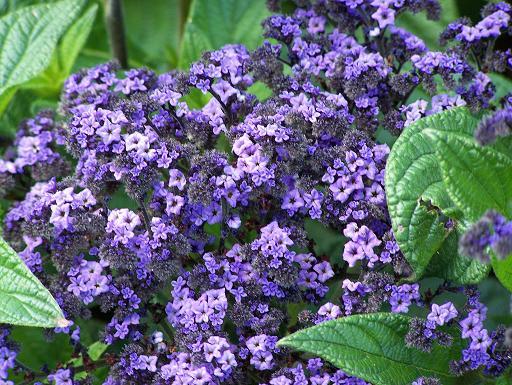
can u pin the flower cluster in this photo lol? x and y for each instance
(479, 39)
(499, 124)
(223, 202)
(491, 232)
(8, 354)
(485, 349)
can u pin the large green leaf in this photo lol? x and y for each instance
(50, 81)
(416, 196)
(419, 203)
(28, 38)
(75, 38)
(214, 23)
(476, 177)
(503, 271)
(23, 299)
(446, 263)
(372, 347)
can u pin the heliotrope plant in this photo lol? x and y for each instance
(211, 259)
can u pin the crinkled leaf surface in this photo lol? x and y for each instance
(416, 195)
(49, 82)
(419, 203)
(23, 299)
(28, 38)
(372, 347)
(476, 177)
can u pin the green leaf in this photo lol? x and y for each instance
(448, 264)
(50, 81)
(503, 85)
(415, 194)
(23, 299)
(32, 354)
(476, 177)
(75, 38)
(28, 38)
(497, 300)
(372, 347)
(419, 203)
(429, 30)
(503, 270)
(154, 32)
(96, 350)
(214, 23)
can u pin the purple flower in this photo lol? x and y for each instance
(384, 16)
(441, 314)
(262, 360)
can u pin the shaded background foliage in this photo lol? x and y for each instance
(167, 34)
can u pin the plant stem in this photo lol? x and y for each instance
(115, 28)
(145, 215)
(167, 330)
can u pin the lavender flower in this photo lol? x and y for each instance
(228, 226)
(491, 232)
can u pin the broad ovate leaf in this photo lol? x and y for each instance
(28, 38)
(423, 214)
(372, 347)
(49, 82)
(23, 299)
(417, 201)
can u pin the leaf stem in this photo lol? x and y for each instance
(115, 28)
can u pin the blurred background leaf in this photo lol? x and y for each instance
(56, 350)
(155, 31)
(429, 30)
(213, 23)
